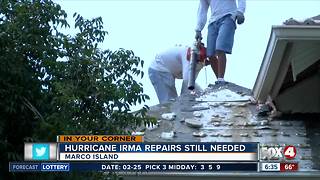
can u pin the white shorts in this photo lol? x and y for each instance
(164, 85)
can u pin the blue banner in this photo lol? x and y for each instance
(196, 147)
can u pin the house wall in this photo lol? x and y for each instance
(304, 97)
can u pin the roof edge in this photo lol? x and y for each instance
(279, 37)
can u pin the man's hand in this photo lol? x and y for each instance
(198, 35)
(239, 17)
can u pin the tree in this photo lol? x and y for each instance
(53, 83)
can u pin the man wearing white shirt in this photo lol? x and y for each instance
(221, 29)
(171, 64)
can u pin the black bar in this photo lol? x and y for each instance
(163, 167)
(133, 167)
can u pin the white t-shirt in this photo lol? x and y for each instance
(219, 8)
(174, 60)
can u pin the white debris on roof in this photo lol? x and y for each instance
(199, 134)
(167, 135)
(223, 95)
(168, 116)
(197, 114)
(152, 126)
(201, 106)
(193, 123)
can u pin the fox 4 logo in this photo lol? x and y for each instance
(275, 153)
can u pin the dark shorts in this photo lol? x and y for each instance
(221, 36)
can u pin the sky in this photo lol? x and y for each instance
(149, 26)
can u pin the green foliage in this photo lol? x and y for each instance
(53, 83)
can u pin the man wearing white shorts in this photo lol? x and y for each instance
(169, 65)
(221, 29)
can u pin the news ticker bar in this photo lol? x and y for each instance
(134, 166)
(148, 151)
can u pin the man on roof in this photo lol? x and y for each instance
(221, 29)
(171, 64)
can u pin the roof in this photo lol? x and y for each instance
(289, 72)
(225, 114)
(309, 21)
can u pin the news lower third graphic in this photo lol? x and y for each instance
(151, 151)
(129, 153)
